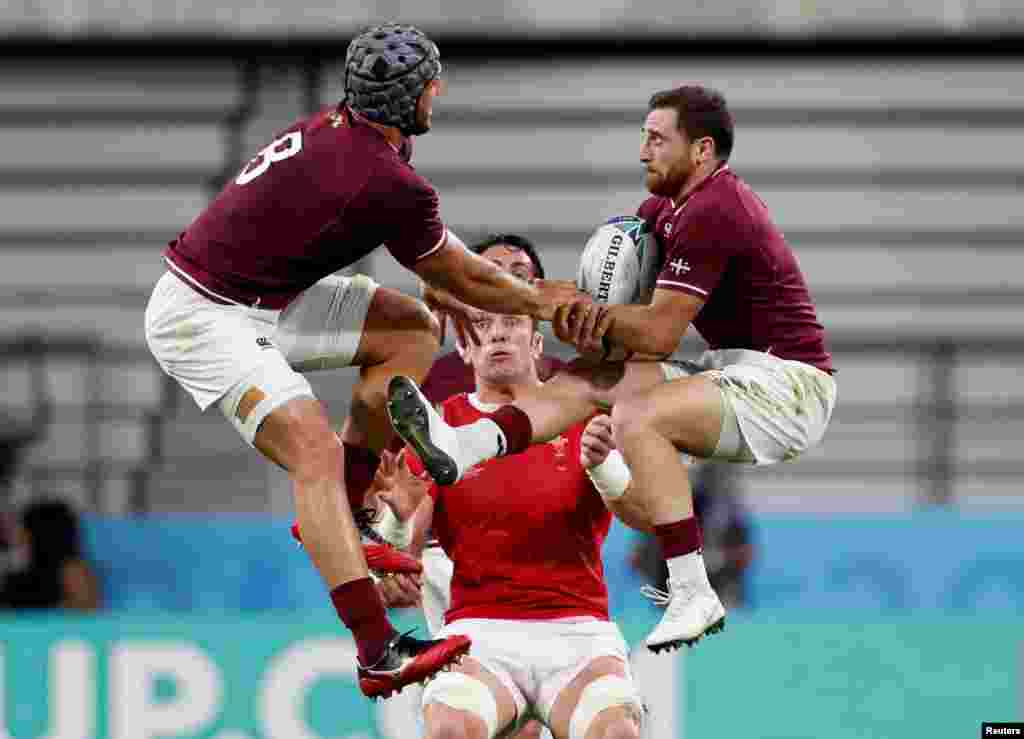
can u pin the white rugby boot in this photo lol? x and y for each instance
(434, 441)
(692, 609)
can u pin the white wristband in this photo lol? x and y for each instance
(611, 477)
(394, 532)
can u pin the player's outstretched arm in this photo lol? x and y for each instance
(478, 282)
(610, 475)
(653, 330)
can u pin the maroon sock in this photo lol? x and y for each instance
(516, 426)
(360, 608)
(397, 444)
(360, 467)
(680, 537)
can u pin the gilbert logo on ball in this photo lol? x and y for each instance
(620, 262)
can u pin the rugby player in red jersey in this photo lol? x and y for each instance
(452, 374)
(524, 534)
(763, 393)
(250, 299)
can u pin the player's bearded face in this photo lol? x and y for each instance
(425, 105)
(665, 153)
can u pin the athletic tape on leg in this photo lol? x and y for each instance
(279, 384)
(464, 693)
(604, 692)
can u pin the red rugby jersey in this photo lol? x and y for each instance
(524, 531)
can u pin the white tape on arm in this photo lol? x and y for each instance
(394, 532)
(611, 477)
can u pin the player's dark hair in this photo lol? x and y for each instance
(702, 112)
(516, 241)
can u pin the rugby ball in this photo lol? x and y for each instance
(620, 262)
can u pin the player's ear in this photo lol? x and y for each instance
(538, 345)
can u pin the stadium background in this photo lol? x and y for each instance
(887, 138)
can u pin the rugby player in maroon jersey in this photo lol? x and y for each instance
(250, 300)
(762, 393)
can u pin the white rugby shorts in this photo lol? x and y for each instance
(774, 409)
(218, 351)
(536, 660)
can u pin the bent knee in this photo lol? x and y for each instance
(622, 727)
(458, 705)
(396, 325)
(635, 414)
(454, 724)
(418, 324)
(609, 707)
(400, 313)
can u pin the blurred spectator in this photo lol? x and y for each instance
(15, 437)
(48, 569)
(728, 545)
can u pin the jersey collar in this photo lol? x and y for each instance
(723, 167)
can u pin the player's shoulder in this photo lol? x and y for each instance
(725, 200)
(391, 176)
(727, 192)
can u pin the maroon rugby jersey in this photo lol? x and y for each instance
(524, 532)
(721, 245)
(327, 191)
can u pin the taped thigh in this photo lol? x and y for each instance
(321, 329)
(605, 692)
(272, 384)
(464, 693)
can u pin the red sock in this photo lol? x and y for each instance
(516, 426)
(680, 537)
(360, 608)
(360, 467)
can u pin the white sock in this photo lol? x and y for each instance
(688, 568)
(478, 442)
